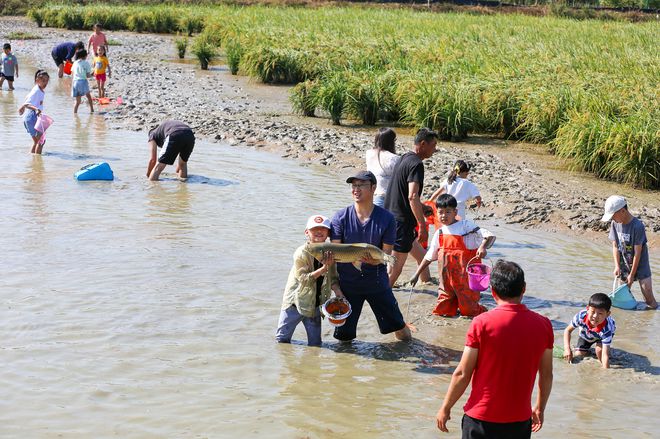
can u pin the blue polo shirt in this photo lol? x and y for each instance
(65, 51)
(379, 229)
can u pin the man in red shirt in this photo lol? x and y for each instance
(504, 350)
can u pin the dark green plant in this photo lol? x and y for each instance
(304, 97)
(204, 51)
(181, 46)
(332, 96)
(234, 52)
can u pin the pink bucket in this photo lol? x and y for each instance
(478, 275)
(43, 122)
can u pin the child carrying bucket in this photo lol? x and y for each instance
(34, 104)
(629, 247)
(455, 245)
(309, 286)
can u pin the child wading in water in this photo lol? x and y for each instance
(81, 70)
(596, 326)
(34, 103)
(459, 187)
(629, 247)
(308, 287)
(454, 244)
(101, 66)
(9, 66)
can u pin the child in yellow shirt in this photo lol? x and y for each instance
(101, 65)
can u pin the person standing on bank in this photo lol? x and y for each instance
(403, 199)
(381, 160)
(177, 139)
(364, 222)
(504, 350)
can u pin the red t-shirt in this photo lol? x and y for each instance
(511, 340)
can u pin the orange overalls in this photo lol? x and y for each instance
(430, 219)
(457, 295)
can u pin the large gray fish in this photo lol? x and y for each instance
(350, 253)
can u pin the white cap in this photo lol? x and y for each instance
(612, 205)
(317, 221)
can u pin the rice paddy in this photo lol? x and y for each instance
(589, 89)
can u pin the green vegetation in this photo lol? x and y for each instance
(18, 35)
(590, 89)
(181, 46)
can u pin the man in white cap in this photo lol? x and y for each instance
(364, 222)
(309, 286)
(629, 247)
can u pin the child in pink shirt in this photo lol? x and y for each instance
(97, 39)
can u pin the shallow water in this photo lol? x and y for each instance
(138, 309)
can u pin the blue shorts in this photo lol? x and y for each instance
(29, 119)
(384, 306)
(80, 87)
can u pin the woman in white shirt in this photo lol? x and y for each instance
(460, 187)
(381, 160)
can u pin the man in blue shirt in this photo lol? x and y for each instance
(364, 222)
(63, 53)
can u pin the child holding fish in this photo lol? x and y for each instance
(309, 286)
(454, 245)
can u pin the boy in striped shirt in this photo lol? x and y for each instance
(596, 326)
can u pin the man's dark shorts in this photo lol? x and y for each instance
(405, 236)
(8, 78)
(478, 429)
(178, 144)
(57, 60)
(585, 346)
(384, 307)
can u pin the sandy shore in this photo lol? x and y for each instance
(520, 183)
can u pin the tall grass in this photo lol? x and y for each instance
(583, 87)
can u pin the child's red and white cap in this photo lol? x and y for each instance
(612, 205)
(318, 221)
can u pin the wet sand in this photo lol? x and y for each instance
(520, 183)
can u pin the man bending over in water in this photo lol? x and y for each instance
(177, 139)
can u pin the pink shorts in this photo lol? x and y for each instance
(100, 77)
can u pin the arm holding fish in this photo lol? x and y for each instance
(367, 259)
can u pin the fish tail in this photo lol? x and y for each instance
(389, 259)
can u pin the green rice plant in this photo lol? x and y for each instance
(544, 111)
(162, 20)
(234, 52)
(275, 66)
(498, 109)
(19, 35)
(304, 97)
(181, 46)
(137, 22)
(71, 18)
(204, 51)
(624, 149)
(191, 23)
(113, 42)
(332, 96)
(449, 109)
(36, 15)
(365, 97)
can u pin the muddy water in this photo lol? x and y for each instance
(137, 309)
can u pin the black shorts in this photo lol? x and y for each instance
(405, 236)
(57, 59)
(478, 429)
(584, 345)
(385, 308)
(8, 78)
(179, 144)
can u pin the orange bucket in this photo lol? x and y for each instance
(337, 311)
(67, 68)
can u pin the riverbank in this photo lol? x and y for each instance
(520, 183)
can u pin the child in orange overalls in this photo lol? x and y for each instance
(454, 244)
